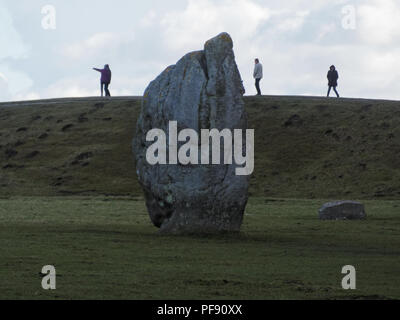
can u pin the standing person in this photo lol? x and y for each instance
(105, 79)
(258, 75)
(333, 77)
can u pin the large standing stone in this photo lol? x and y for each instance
(202, 91)
(342, 210)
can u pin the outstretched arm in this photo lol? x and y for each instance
(99, 70)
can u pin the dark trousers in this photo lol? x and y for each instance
(258, 87)
(334, 89)
(105, 85)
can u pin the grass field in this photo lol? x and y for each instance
(106, 248)
(69, 197)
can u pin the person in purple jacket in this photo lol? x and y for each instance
(105, 79)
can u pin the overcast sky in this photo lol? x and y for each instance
(296, 41)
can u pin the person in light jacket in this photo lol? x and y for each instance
(258, 75)
(333, 77)
(105, 79)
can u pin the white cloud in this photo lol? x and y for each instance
(201, 20)
(72, 87)
(3, 77)
(12, 45)
(97, 44)
(17, 81)
(325, 30)
(4, 93)
(379, 22)
(149, 19)
(294, 22)
(87, 86)
(12, 48)
(27, 96)
(14, 83)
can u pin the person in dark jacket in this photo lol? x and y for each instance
(333, 77)
(105, 79)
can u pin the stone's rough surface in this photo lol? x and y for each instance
(342, 210)
(202, 91)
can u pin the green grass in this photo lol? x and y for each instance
(306, 147)
(106, 248)
(69, 197)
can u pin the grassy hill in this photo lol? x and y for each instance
(306, 147)
(69, 197)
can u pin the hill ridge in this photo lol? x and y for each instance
(134, 98)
